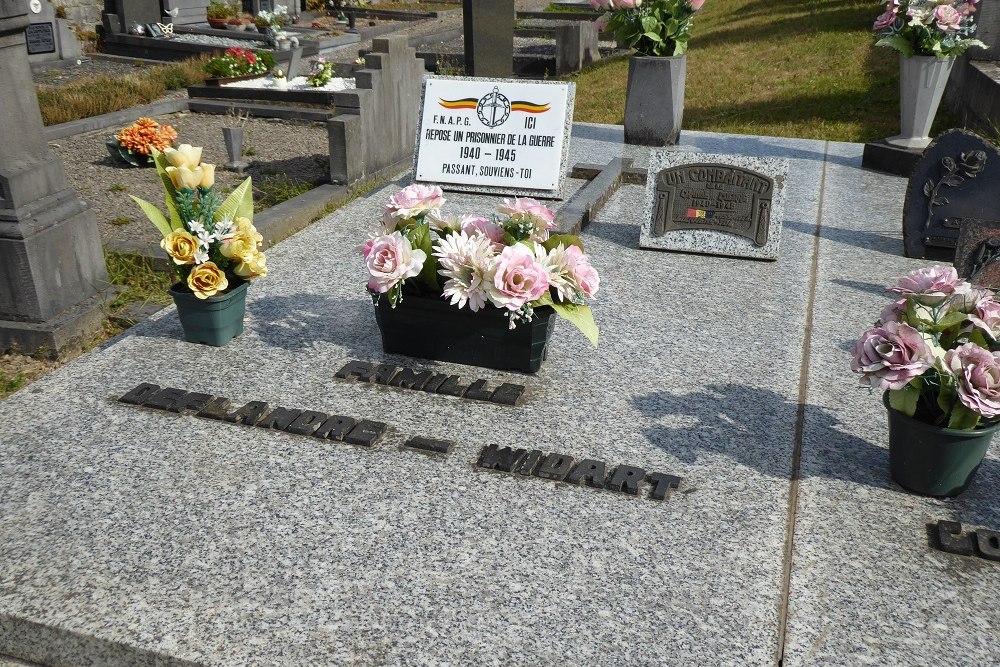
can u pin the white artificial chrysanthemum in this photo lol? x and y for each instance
(444, 224)
(559, 266)
(224, 230)
(463, 259)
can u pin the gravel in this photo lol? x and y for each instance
(282, 149)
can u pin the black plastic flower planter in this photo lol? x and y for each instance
(431, 328)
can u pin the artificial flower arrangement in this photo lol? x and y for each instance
(135, 143)
(239, 62)
(933, 350)
(651, 27)
(322, 73)
(508, 261)
(274, 19)
(939, 28)
(213, 243)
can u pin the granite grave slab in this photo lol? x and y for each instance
(142, 535)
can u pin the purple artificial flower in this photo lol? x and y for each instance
(930, 286)
(890, 356)
(977, 378)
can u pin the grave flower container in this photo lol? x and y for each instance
(430, 328)
(922, 80)
(471, 289)
(212, 321)
(934, 353)
(933, 460)
(654, 100)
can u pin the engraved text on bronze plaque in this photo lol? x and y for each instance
(719, 197)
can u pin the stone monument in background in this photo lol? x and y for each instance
(52, 272)
(489, 38)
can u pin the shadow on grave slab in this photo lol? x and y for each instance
(879, 242)
(300, 321)
(753, 427)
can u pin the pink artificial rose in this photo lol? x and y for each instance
(890, 356)
(479, 225)
(626, 4)
(986, 316)
(930, 286)
(390, 260)
(516, 278)
(413, 201)
(600, 4)
(582, 273)
(530, 208)
(967, 8)
(894, 312)
(977, 378)
(948, 18)
(884, 20)
(695, 4)
(366, 249)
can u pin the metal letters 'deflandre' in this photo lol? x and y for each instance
(719, 197)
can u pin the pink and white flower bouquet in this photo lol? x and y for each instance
(939, 28)
(507, 261)
(651, 27)
(933, 348)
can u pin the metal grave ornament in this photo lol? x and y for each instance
(496, 136)
(714, 204)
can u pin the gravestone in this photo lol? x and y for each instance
(489, 37)
(376, 123)
(188, 11)
(714, 204)
(48, 38)
(957, 178)
(977, 256)
(137, 11)
(51, 262)
(987, 31)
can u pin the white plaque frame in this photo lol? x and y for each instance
(558, 127)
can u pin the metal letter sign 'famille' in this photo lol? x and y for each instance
(494, 135)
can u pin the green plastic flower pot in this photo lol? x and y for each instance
(431, 328)
(212, 321)
(933, 460)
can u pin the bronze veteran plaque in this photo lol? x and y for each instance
(729, 205)
(714, 196)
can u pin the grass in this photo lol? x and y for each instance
(121, 220)
(274, 189)
(9, 382)
(137, 280)
(96, 95)
(786, 68)
(117, 187)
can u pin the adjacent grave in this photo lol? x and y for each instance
(489, 37)
(956, 179)
(47, 38)
(714, 204)
(977, 255)
(164, 537)
(494, 135)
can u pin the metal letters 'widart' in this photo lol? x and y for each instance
(727, 205)
(713, 196)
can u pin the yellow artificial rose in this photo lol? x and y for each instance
(255, 268)
(244, 226)
(181, 246)
(240, 247)
(207, 175)
(184, 177)
(184, 155)
(207, 280)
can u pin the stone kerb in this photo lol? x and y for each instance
(376, 125)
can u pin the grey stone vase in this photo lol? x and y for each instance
(654, 100)
(921, 84)
(233, 137)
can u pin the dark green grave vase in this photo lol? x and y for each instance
(933, 460)
(212, 321)
(431, 328)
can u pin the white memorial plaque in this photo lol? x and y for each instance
(494, 135)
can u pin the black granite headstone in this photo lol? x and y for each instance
(40, 38)
(489, 38)
(138, 11)
(958, 178)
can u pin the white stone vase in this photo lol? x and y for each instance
(654, 100)
(921, 84)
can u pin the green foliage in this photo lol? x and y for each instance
(239, 203)
(905, 400)
(655, 28)
(138, 280)
(565, 239)
(11, 383)
(582, 317)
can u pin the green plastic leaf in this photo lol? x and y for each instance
(154, 215)
(962, 418)
(239, 203)
(170, 192)
(420, 238)
(565, 239)
(653, 37)
(897, 42)
(904, 400)
(582, 317)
